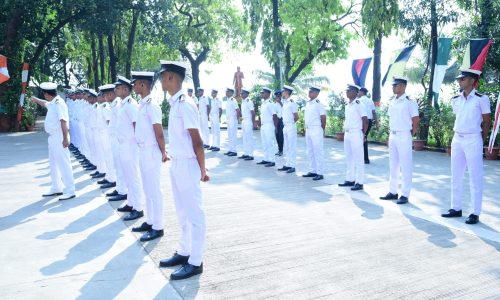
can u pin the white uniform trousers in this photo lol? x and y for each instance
(215, 124)
(130, 166)
(100, 135)
(232, 133)
(400, 159)
(467, 151)
(150, 165)
(61, 172)
(247, 130)
(290, 144)
(89, 134)
(84, 145)
(354, 156)
(205, 135)
(72, 132)
(185, 179)
(314, 142)
(121, 186)
(268, 137)
(108, 158)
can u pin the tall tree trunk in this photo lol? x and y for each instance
(195, 63)
(101, 57)
(130, 44)
(89, 69)
(112, 58)
(276, 40)
(377, 75)
(94, 61)
(65, 72)
(486, 17)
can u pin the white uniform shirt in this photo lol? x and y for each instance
(103, 115)
(267, 110)
(289, 109)
(313, 112)
(149, 114)
(203, 105)
(279, 109)
(93, 119)
(354, 112)
(56, 111)
(231, 107)
(215, 104)
(115, 108)
(126, 116)
(400, 112)
(195, 99)
(469, 112)
(369, 106)
(183, 115)
(246, 109)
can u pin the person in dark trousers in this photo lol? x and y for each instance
(279, 129)
(372, 118)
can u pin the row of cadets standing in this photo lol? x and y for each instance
(247, 124)
(56, 125)
(269, 122)
(233, 114)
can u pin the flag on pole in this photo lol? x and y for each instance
(24, 78)
(359, 69)
(475, 54)
(496, 125)
(4, 72)
(397, 67)
(443, 55)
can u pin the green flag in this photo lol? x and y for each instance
(443, 55)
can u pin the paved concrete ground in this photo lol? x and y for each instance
(270, 235)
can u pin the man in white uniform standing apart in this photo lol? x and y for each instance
(290, 117)
(186, 172)
(56, 125)
(471, 109)
(269, 120)
(315, 122)
(247, 123)
(403, 123)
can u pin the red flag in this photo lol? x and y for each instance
(4, 72)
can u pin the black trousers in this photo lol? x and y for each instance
(279, 134)
(365, 143)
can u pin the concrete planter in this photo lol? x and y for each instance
(339, 136)
(418, 145)
(493, 155)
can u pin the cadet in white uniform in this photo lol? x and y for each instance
(403, 123)
(232, 116)
(290, 117)
(129, 151)
(215, 115)
(471, 109)
(279, 126)
(247, 123)
(269, 121)
(204, 109)
(87, 121)
(149, 136)
(99, 127)
(355, 126)
(56, 125)
(371, 114)
(315, 122)
(186, 172)
(105, 115)
(190, 94)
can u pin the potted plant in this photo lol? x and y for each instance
(336, 113)
(29, 116)
(494, 151)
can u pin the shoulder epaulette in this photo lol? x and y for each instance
(480, 95)
(317, 101)
(56, 101)
(457, 96)
(148, 101)
(182, 98)
(357, 101)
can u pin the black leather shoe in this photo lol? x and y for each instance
(151, 235)
(52, 194)
(206, 146)
(103, 181)
(310, 174)
(232, 154)
(347, 183)
(113, 193)
(389, 196)
(318, 177)
(108, 185)
(186, 271)
(264, 162)
(243, 156)
(134, 214)
(100, 175)
(271, 164)
(472, 219)
(402, 200)
(290, 170)
(284, 168)
(452, 214)
(210, 148)
(117, 198)
(249, 158)
(95, 173)
(227, 153)
(357, 187)
(367, 162)
(175, 260)
(279, 153)
(125, 208)
(215, 149)
(90, 168)
(144, 227)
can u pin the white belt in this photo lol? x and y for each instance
(123, 140)
(460, 134)
(144, 145)
(400, 131)
(353, 130)
(312, 126)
